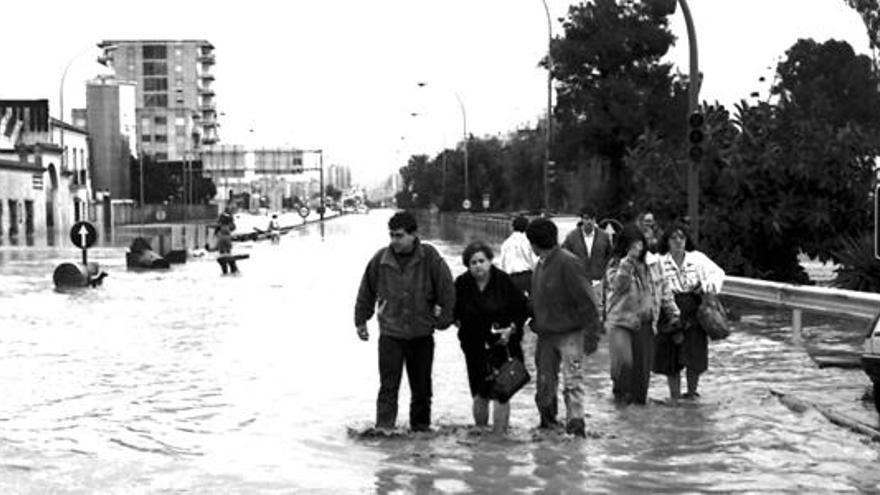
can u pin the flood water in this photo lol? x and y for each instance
(186, 381)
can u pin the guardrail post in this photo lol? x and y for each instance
(797, 324)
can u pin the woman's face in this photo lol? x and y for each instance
(636, 249)
(479, 265)
(677, 241)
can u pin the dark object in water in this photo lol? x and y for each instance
(140, 255)
(77, 275)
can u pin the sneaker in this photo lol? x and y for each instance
(576, 427)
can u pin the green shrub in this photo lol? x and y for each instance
(859, 269)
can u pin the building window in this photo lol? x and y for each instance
(155, 69)
(179, 121)
(146, 138)
(161, 156)
(160, 138)
(155, 84)
(178, 68)
(153, 52)
(156, 100)
(160, 120)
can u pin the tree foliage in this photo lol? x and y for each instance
(870, 12)
(612, 85)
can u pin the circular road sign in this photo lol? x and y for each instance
(83, 235)
(304, 211)
(466, 204)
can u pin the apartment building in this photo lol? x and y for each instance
(175, 109)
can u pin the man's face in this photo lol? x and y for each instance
(588, 223)
(401, 241)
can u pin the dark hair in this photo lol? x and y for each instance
(520, 223)
(630, 233)
(403, 220)
(588, 211)
(476, 247)
(689, 244)
(542, 233)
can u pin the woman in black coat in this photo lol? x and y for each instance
(490, 312)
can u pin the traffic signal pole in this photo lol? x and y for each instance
(693, 176)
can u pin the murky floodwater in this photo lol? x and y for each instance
(186, 381)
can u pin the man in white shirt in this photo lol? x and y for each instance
(517, 258)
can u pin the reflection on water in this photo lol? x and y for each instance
(188, 381)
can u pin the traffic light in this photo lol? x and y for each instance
(551, 171)
(696, 136)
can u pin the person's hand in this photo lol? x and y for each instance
(362, 332)
(437, 311)
(504, 334)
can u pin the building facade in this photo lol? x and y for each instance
(263, 175)
(111, 124)
(42, 184)
(175, 109)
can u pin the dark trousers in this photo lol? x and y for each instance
(418, 356)
(632, 355)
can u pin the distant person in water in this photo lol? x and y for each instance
(409, 287)
(275, 229)
(223, 235)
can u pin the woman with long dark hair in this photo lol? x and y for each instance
(636, 297)
(689, 274)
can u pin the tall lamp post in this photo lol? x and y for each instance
(693, 177)
(546, 181)
(465, 145)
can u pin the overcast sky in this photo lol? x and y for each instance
(342, 75)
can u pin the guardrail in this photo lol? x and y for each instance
(799, 298)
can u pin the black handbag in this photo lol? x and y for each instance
(712, 317)
(508, 378)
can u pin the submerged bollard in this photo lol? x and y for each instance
(77, 275)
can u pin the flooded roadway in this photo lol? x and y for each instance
(189, 382)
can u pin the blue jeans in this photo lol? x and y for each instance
(418, 357)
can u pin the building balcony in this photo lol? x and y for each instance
(206, 76)
(207, 59)
(207, 108)
(206, 92)
(209, 139)
(209, 123)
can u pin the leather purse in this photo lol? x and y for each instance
(712, 317)
(508, 378)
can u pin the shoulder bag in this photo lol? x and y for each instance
(712, 317)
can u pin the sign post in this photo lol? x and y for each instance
(83, 235)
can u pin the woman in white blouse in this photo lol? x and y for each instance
(689, 274)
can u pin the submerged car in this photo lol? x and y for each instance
(871, 358)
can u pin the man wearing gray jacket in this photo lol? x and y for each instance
(411, 288)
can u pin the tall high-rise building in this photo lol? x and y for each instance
(110, 120)
(176, 113)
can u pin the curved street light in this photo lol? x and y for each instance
(546, 181)
(465, 144)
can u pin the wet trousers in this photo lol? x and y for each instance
(555, 352)
(418, 357)
(632, 356)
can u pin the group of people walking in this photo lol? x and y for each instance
(568, 295)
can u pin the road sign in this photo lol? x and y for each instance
(303, 211)
(466, 204)
(83, 235)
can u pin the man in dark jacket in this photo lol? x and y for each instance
(411, 288)
(567, 323)
(593, 246)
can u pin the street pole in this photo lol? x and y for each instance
(467, 189)
(465, 144)
(546, 180)
(693, 177)
(321, 182)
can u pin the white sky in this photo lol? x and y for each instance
(342, 74)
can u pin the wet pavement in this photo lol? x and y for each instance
(187, 381)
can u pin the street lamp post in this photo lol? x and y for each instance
(465, 145)
(693, 177)
(549, 103)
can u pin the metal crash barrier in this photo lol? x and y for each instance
(862, 305)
